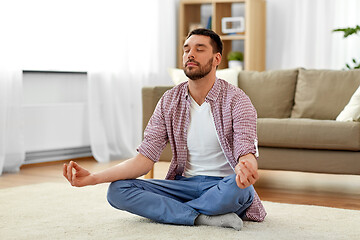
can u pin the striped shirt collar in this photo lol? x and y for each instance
(212, 94)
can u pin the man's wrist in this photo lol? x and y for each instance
(250, 157)
(96, 179)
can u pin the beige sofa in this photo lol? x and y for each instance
(296, 108)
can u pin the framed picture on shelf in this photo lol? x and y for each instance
(231, 25)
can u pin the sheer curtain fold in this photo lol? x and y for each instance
(145, 53)
(299, 33)
(12, 151)
(110, 117)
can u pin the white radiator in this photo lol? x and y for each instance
(55, 116)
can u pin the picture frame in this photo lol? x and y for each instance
(231, 25)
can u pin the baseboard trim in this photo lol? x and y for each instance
(57, 155)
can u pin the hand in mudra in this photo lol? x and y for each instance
(246, 171)
(77, 175)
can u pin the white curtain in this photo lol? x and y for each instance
(146, 49)
(299, 33)
(12, 153)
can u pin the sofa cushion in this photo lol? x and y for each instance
(271, 92)
(323, 94)
(309, 133)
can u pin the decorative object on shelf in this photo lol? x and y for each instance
(347, 32)
(209, 23)
(235, 59)
(233, 25)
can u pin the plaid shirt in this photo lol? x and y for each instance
(235, 123)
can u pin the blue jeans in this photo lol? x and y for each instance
(181, 200)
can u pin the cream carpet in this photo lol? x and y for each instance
(59, 211)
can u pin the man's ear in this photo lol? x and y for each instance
(217, 59)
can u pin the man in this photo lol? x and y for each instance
(211, 127)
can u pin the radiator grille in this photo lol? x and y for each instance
(57, 154)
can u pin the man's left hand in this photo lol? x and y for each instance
(246, 171)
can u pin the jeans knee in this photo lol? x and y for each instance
(116, 193)
(233, 191)
(230, 182)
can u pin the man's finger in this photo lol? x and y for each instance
(239, 166)
(245, 171)
(241, 172)
(252, 171)
(237, 169)
(238, 181)
(244, 180)
(65, 170)
(76, 166)
(69, 171)
(256, 175)
(73, 180)
(251, 180)
(250, 167)
(73, 174)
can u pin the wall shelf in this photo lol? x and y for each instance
(252, 42)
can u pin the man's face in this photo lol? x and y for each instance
(198, 58)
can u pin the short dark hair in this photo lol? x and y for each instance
(215, 41)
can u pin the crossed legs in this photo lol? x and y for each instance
(184, 200)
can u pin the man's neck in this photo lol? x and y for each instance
(199, 88)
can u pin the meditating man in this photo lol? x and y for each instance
(211, 127)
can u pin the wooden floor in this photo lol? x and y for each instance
(267, 189)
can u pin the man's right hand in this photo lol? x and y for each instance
(129, 169)
(80, 177)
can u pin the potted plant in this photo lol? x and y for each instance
(235, 59)
(348, 32)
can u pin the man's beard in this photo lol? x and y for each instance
(201, 72)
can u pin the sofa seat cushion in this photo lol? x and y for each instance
(309, 134)
(271, 92)
(323, 94)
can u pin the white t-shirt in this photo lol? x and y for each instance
(205, 153)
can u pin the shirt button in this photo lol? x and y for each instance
(184, 148)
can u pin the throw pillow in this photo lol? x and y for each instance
(323, 94)
(351, 111)
(271, 92)
(177, 75)
(230, 75)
